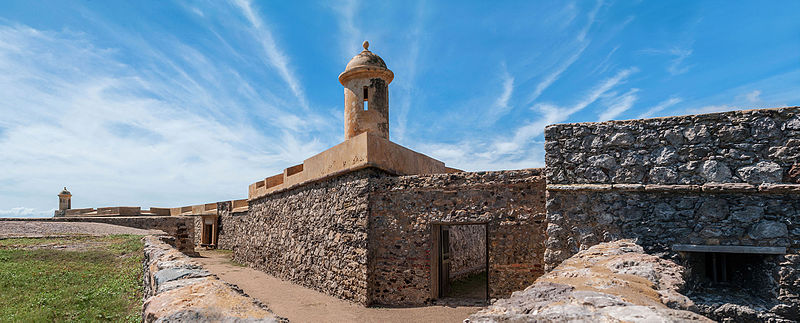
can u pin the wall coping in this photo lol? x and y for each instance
(730, 249)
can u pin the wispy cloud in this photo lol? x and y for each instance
(590, 18)
(407, 87)
(753, 97)
(619, 105)
(659, 107)
(550, 113)
(275, 55)
(553, 76)
(118, 134)
(351, 36)
(501, 105)
(677, 64)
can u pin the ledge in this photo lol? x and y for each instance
(773, 188)
(730, 249)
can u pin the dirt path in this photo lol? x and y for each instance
(300, 304)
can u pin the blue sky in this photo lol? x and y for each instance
(170, 103)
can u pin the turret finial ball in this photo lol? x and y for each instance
(366, 45)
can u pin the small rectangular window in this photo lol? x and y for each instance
(366, 98)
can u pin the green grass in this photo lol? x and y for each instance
(101, 282)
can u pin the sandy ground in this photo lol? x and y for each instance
(300, 304)
(14, 229)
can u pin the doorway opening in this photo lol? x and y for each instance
(460, 262)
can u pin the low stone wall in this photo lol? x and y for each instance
(403, 210)
(467, 250)
(609, 282)
(313, 235)
(178, 289)
(180, 227)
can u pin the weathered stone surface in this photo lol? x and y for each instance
(722, 147)
(714, 171)
(402, 210)
(734, 171)
(762, 172)
(467, 250)
(178, 290)
(769, 230)
(365, 236)
(609, 282)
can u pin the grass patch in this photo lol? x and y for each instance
(98, 280)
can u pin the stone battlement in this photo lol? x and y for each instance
(362, 151)
(191, 210)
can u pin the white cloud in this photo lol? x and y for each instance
(753, 97)
(25, 212)
(552, 77)
(591, 18)
(165, 134)
(553, 114)
(275, 55)
(676, 66)
(619, 105)
(501, 105)
(351, 36)
(522, 149)
(660, 106)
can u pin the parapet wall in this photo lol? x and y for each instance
(176, 289)
(716, 179)
(404, 209)
(180, 227)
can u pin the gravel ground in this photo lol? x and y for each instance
(17, 229)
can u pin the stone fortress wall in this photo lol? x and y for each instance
(403, 210)
(313, 235)
(366, 236)
(467, 250)
(727, 179)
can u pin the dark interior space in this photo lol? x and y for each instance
(716, 279)
(463, 264)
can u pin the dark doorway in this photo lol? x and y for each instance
(461, 262)
(208, 231)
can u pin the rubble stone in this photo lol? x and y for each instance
(609, 282)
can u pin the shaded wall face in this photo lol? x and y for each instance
(467, 250)
(314, 235)
(229, 224)
(717, 179)
(403, 209)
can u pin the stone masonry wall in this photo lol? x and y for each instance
(314, 235)
(716, 179)
(467, 250)
(403, 209)
(228, 223)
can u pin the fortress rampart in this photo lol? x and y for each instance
(716, 192)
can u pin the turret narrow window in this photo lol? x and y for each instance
(366, 98)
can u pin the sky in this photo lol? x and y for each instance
(173, 103)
